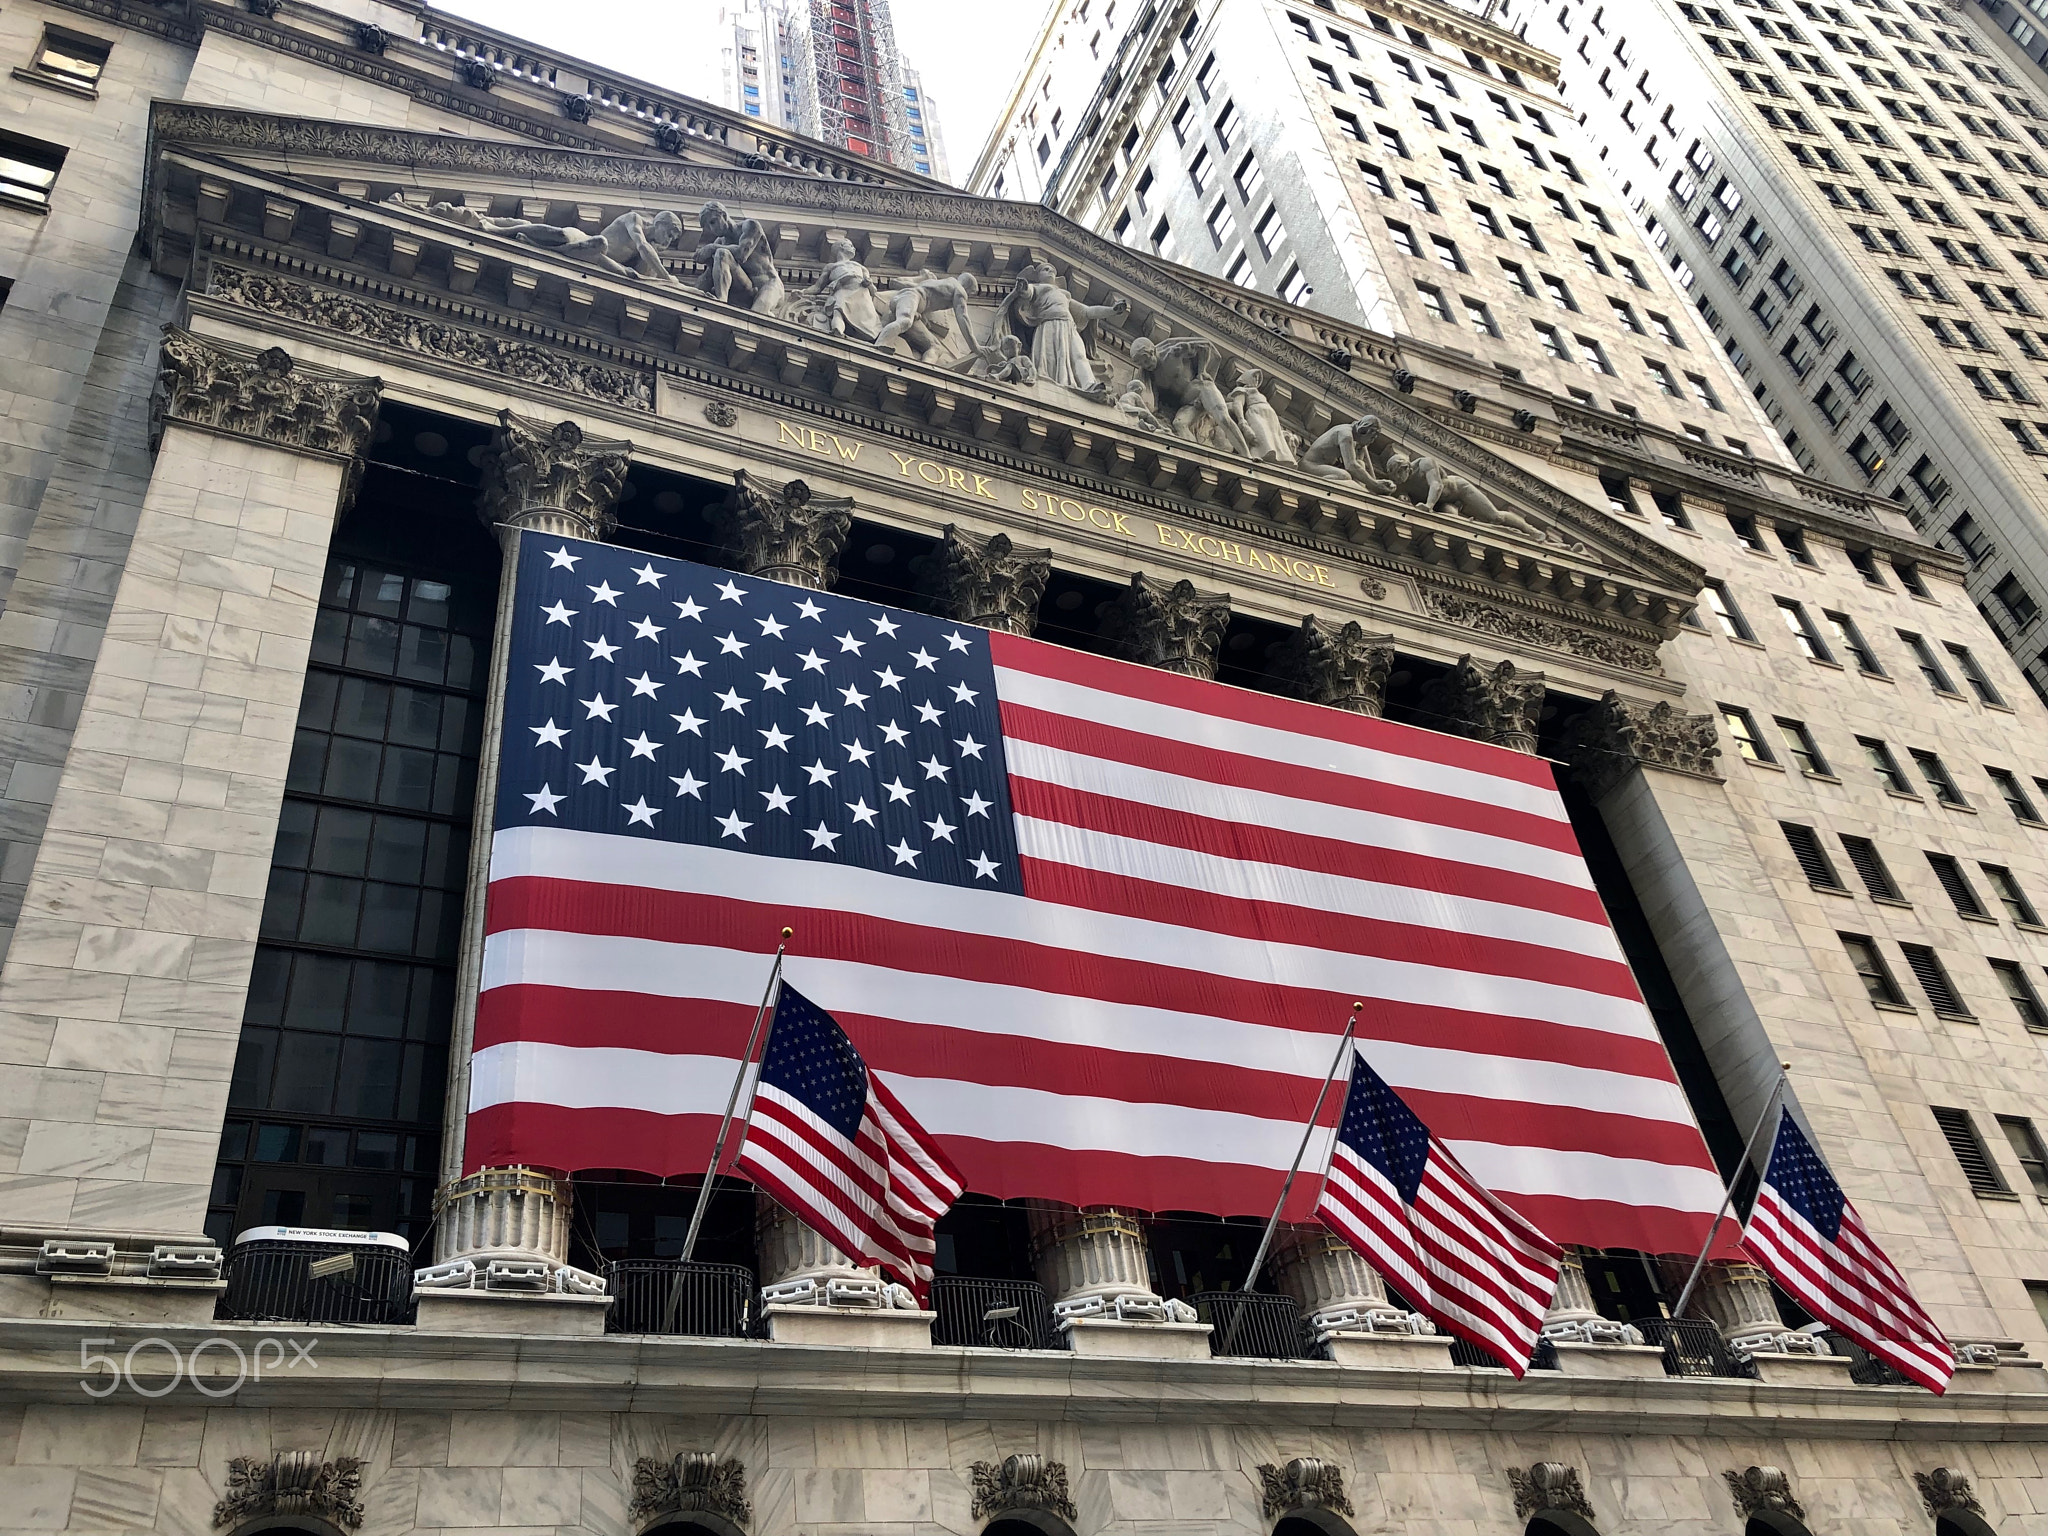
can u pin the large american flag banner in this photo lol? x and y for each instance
(1458, 1255)
(1095, 925)
(1809, 1239)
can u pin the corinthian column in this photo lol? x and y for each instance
(1175, 627)
(783, 533)
(1500, 705)
(1343, 667)
(507, 1228)
(989, 582)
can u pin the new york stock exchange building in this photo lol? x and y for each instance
(437, 472)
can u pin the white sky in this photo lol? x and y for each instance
(969, 51)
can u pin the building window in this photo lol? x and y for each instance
(1433, 301)
(1294, 288)
(2021, 1136)
(1936, 773)
(1885, 766)
(1672, 510)
(1973, 674)
(1970, 1151)
(1805, 751)
(1908, 572)
(1927, 969)
(1248, 179)
(1928, 663)
(1804, 635)
(70, 60)
(1870, 869)
(1794, 541)
(1813, 859)
(1746, 534)
(2017, 601)
(1850, 638)
(1748, 741)
(1726, 614)
(2014, 794)
(1865, 563)
(1481, 318)
(1875, 974)
(28, 171)
(2010, 896)
(2019, 987)
(1162, 239)
(1960, 892)
(1268, 231)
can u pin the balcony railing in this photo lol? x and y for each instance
(1694, 1347)
(992, 1314)
(1865, 1369)
(706, 1301)
(1465, 1353)
(296, 1281)
(1252, 1325)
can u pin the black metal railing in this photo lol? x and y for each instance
(706, 1301)
(1464, 1352)
(1251, 1324)
(1865, 1369)
(1694, 1347)
(276, 1280)
(992, 1314)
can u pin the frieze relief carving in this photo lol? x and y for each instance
(783, 533)
(989, 582)
(1306, 1482)
(289, 299)
(692, 1482)
(293, 1483)
(1021, 1482)
(1943, 1490)
(1760, 1489)
(553, 477)
(1617, 734)
(264, 395)
(1174, 626)
(1527, 629)
(1548, 1485)
(1341, 666)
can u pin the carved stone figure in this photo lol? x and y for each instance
(1617, 734)
(693, 1482)
(550, 476)
(1255, 417)
(1423, 481)
(1498, 705)
(629, 246)
(293, 1483)
(1135, 405)
(737, 259)
(1182, 370)
(917, 313)
(844, 300)
(1178, 628)
(1038, 311)
(1548, 1485)
(784, 534)
(989, 582)
(1005, 363)
(1345, 452)
(1344, 668)
(1757, 1489)
(1306, 1482)
(1021, 1482)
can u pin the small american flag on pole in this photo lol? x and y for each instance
(1809, 1239)
(1463, 1259)
(826, 1139)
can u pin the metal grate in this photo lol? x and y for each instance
(706, 1301)
(1927, 970)
(1465, 1352)
(1813, 859)
(1865, 1369)
(267, 1281)
(964, 1304)
(1957, 884)
(1963, 1140)
(1694, 1347)
(1870, 867)
(1251, 1324)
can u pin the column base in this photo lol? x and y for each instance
(1609, 1360)
(849, 1328)
(1803, 1370)
(1390, 1351)
(1136, 1341)
(109, 1298)
(553, 1315)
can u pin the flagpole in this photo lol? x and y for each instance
(1273, 1221)
(732, 1099)
(1728, 1198)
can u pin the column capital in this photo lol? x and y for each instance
(1619, 734)
(1499, 704)
(783, 533)
(221, 386)
(552, 478)
(1338, 665)
(988, 582)
(1174, 626)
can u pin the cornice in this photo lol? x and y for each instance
(170, 21)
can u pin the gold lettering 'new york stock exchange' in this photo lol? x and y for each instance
(1051, 504)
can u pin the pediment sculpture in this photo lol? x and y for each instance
(629, 246)
(845, 300)
(1057, 333)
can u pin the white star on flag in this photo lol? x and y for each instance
(858, 753)
(809, 609)
(774, 680)
(976, 806)
(934, 769)
(643, 747)
(957, 641)
(888, 677)
(824, 837)
(848, 643)
(820, 774)
(884, 625)
(646, 629)
(649, 576)
(560, 613)
(598, 709)
(689, 608)
(689, 784)
(863, 813)
(552, 671)
(562, 560)
(601, 649)
(771, 627)
(732, 826)
(731, 761)
(639, 813)
(546, 800)
(894, 734)
(969, 747)
(603, 592)
(984, 867)
(777, 800)
(731, 645)
(928, 713)
(688, 663)
(898, 790)
(688, 723)
(549, 735)
(595, 772)
(905, 854)
(942, 830)
(812, 661)
(731, 592)
(776, 738)
(644, 687)
(925, 660)
(813, 715)
(964, 694)
(854, 698)
(730, 699)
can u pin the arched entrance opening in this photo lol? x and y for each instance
(696, 1523)
(1558, 1522)
(1313, 1522)
(1772, 1522)
(1028, 1522)
(1961, 1522)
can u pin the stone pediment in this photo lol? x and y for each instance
(1001, 323)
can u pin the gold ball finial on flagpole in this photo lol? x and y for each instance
(786, 933)
(1357, 1007)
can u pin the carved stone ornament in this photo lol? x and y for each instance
(1548, 1485)
(783, 533)
(989, 582)
(1306, 1482)
(551, 477)
(1175, 627)
(293, 1483)
(262, 395)
(1345, 668)
(1021, 1482)
(1491, 619)
(371, 38)
(465, 345)
(1760, 1489)
(1618, 734)
(1943, 1490)
(1498, 704)
(693, 1482)
(721, 413)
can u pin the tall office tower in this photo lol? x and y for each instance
(766, 69)
(1419, 176)
(921, 123)
(1857, 199)
(2025, 22)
